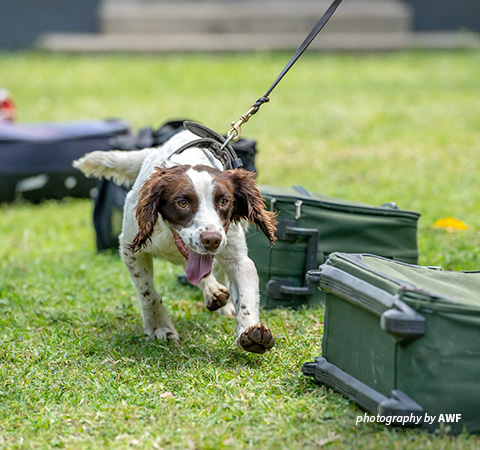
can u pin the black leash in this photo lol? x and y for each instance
(211, 140)
(235, 132)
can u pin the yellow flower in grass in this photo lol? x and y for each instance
(451, 224)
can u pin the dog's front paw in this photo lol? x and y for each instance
(216, 297)
(167, 333)
(256, 339)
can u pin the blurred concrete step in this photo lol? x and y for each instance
(147, 42)
(373, 16)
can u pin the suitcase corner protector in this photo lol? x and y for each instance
(313, 276)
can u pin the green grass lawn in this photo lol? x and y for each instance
(75, 369)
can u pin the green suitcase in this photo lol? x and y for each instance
(402, 341)
(310, 227)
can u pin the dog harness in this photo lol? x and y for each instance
(211, 141)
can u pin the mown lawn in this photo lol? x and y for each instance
(75, 370)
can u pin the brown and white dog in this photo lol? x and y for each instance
(184, 208)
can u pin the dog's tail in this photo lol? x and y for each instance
(121, 166)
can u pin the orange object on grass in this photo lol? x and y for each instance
(451, 224)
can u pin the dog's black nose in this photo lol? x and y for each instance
(211, 240)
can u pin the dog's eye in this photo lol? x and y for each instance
(223, 202)
(182, 203)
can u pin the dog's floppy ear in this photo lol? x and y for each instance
(148, 208)
(248, 203)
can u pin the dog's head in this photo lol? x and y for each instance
(199, 203)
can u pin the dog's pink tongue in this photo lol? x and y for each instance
(198, 266)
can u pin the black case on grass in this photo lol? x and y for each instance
(36, 159)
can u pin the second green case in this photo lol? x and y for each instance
(310, 227)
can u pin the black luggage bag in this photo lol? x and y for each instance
(36, 159)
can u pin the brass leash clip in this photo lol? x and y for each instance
(235, 132)
(236, 129)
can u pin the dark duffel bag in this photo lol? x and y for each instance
(108, 210)
(402, 341)
(36, 159)
(310, 227)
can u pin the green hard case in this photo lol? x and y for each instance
(401, 339)
(310, 227)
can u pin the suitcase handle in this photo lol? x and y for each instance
(282, 288)
(399, 405)
(396, 317)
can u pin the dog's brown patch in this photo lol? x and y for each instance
(168, 192)
(249, 203)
